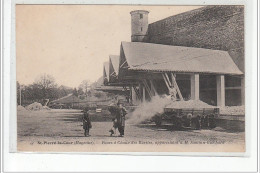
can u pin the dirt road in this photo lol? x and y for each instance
(61, 130)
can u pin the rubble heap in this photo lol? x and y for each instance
(34, 106)
(189, 104)
(20, 108)
(233, 110)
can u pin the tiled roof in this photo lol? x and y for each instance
(115, 62)
(156, 57)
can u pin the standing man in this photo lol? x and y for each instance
(86, 122)
(120, 116)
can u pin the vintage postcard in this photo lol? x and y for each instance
(130, 78)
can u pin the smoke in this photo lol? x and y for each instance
(148, 109)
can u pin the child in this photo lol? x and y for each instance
(115, 126)
(86, 122)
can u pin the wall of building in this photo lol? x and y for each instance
(211, 27)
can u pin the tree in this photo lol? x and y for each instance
(44, 87)
(18, 92)
(46, 84)
(64, 91)
(80, 91)
(84, 86)
(75, 92)
(45, 81)
(99, 94)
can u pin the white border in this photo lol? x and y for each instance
(75, 162)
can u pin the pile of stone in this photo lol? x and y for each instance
(233, 110)
(189, 104)
(20, 108)
(34, 106)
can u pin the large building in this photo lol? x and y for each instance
(200, 53)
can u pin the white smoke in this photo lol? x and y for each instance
(156, 106)
(148, 109)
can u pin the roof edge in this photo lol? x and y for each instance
(182, 71)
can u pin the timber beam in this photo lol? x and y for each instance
(137, 93)
(176, 86)
(147, 88)
(153, 87)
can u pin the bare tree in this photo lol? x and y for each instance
(84, 85)
(45, 81)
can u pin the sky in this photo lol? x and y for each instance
(71, 42)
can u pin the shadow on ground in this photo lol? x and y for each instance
(162, 127)
(172, 128)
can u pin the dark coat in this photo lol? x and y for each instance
(120, 116)
(86, 121)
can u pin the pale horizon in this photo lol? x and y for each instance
(71, 42)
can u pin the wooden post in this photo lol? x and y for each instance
(176, 86)
(166, 82)
(130, 94)
(137, 93)
(147, 88)
(194, 87)
(167, 78)
(153, 88)
(20, 95)
(140, 91)
(221, 90)
(143, 93)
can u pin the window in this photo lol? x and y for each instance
(141, 28)
(141, 16)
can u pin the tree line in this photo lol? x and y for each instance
(44, 87)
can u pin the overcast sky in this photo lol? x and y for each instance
(71, 42)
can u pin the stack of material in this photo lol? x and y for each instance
(233, 110)
(34, 106)
(20, 108)
(192, 104)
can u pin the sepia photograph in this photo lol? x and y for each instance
(130, 78)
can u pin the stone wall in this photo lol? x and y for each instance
(211, 27)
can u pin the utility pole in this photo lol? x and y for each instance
(20, 95)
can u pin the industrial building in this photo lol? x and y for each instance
(200, 53)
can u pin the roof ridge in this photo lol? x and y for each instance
(164, 45)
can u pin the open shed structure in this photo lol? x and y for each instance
(110, 78)
(150, 69)
(148, 66)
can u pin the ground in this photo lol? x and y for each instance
(61, 130)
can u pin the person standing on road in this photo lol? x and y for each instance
(120, 116)
(86, 122)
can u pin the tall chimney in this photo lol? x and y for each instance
(139, 25)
